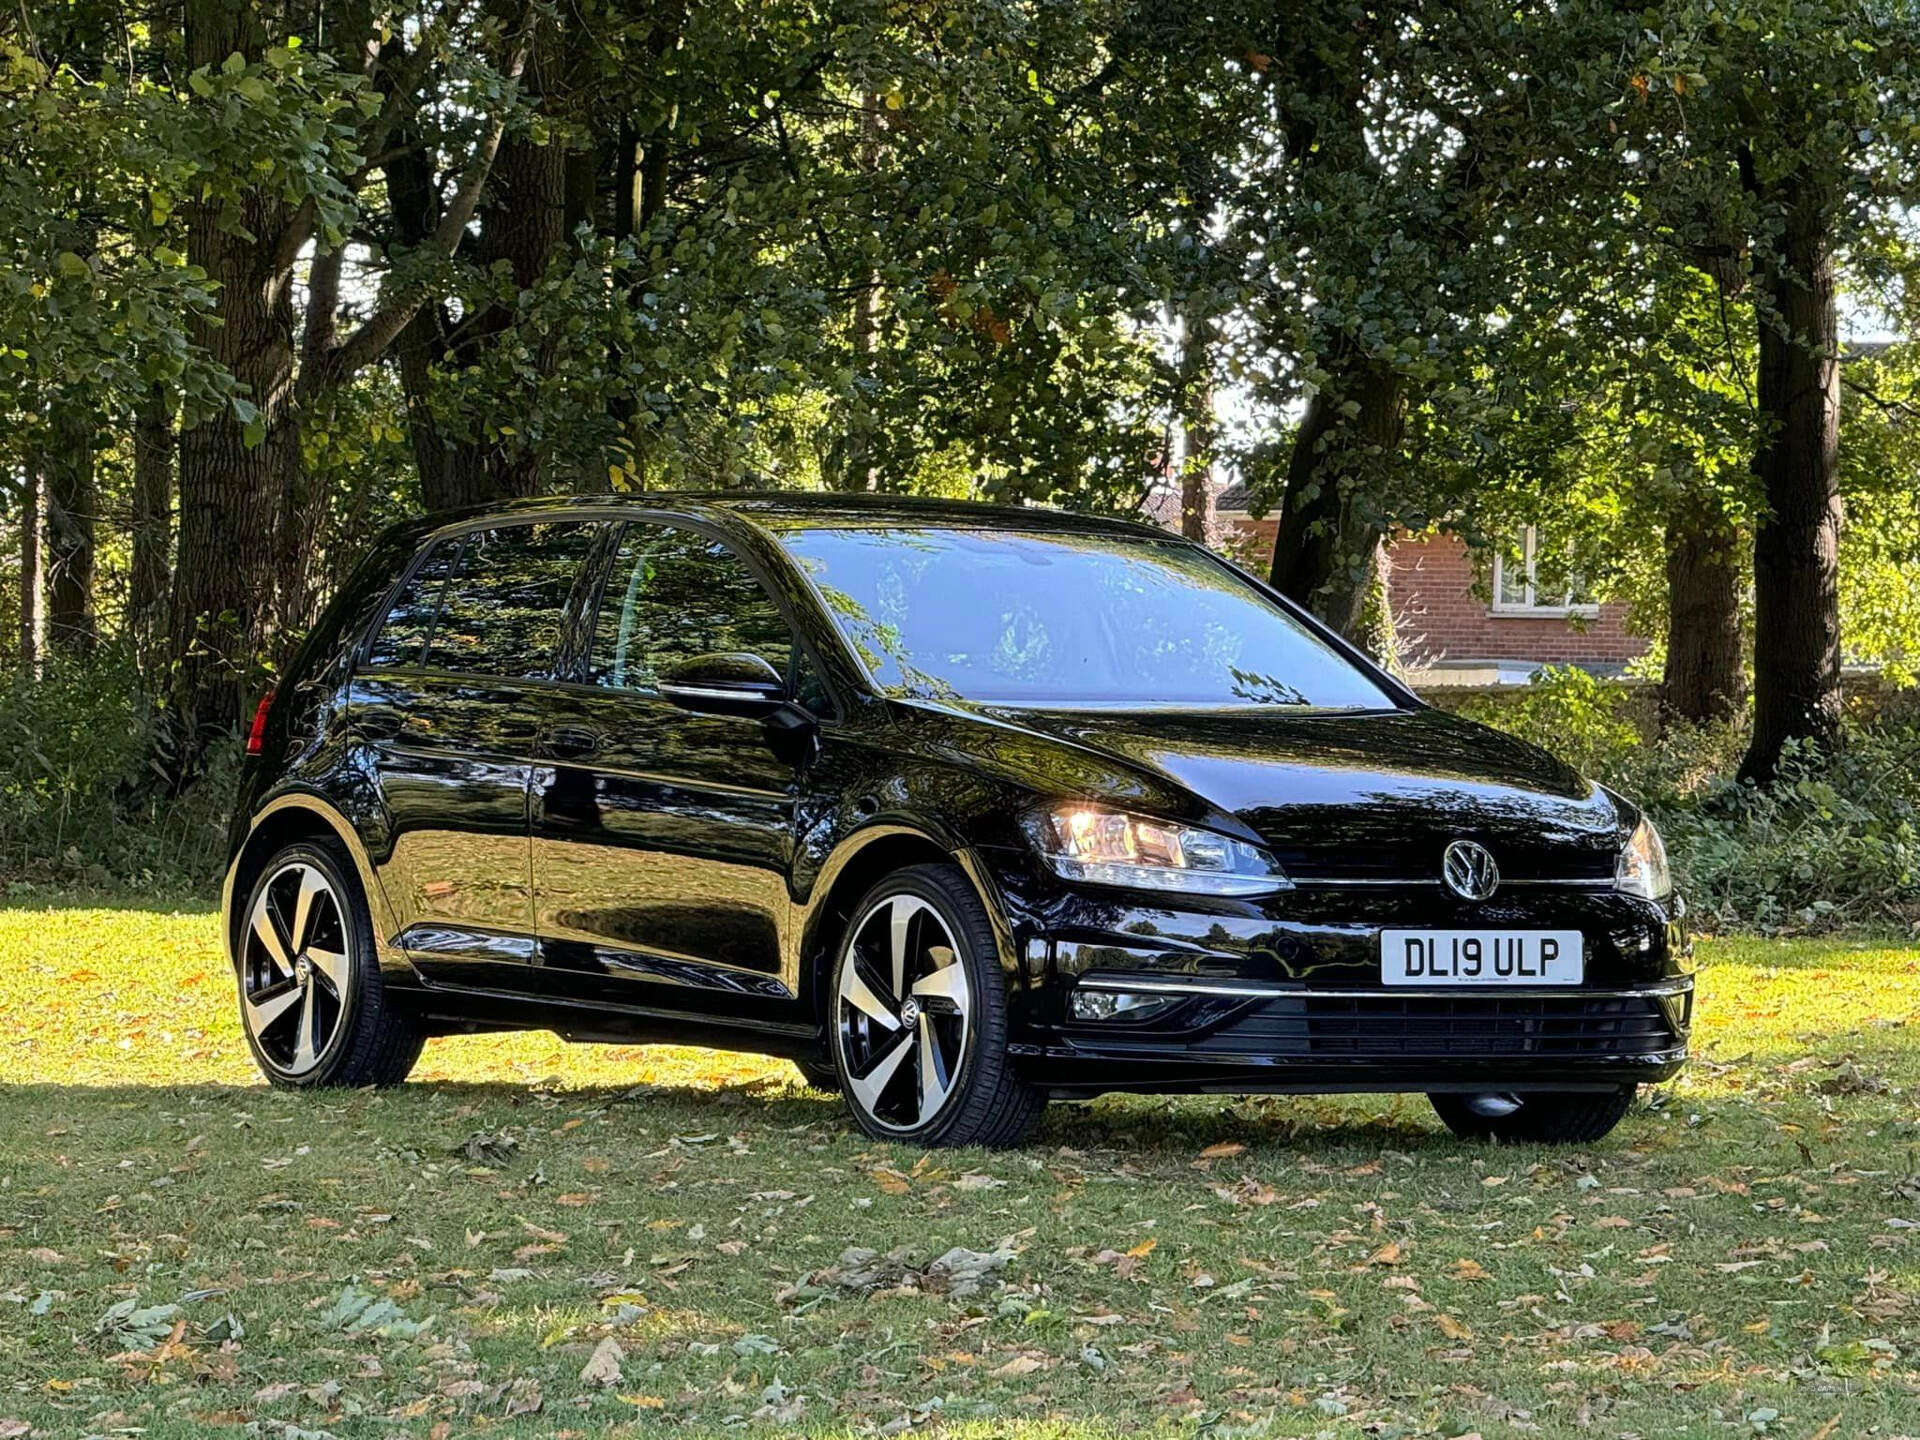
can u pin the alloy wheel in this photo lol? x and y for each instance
(903, 1013)
(296, 973)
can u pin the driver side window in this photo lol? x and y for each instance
(672, 594)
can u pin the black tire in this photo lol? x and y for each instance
(372, 1042)
(988, 1103)
(820, 1074)
(1550, 1117)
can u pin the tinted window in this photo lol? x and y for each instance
(674, 594)
(1067, 619)
(403, 635)
(506, 599)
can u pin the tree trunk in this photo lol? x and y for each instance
(860, 473)
(224, 581)
(1196, 427)
(72, 508)
(30, 569)
(523, 222)
(1796, 549)
(1327, 551)
(1704, 680)
(224, 587)
(415, 205)
(152, 524)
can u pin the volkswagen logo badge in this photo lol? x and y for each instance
(1469, 871)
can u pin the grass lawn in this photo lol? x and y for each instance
(182, 1249)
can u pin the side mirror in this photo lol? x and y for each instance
(727, 683)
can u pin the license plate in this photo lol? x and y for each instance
(1481, 957)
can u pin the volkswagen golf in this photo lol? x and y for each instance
(958, 807)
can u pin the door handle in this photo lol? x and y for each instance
(569, 742)
(378, 724)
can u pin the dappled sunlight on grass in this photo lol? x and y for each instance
(1279, 1265)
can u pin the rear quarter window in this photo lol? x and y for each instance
(507, 599)
(402, 637)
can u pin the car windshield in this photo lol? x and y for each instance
(1068, 620)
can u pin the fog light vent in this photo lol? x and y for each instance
(1119, 1004)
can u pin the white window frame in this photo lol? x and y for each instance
(1532, 606)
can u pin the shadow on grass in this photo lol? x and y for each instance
(1343, 1128)
(20, 895)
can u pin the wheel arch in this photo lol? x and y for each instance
(863, 859)
(284, 821)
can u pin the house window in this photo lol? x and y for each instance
(1518, 590)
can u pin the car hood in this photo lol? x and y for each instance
(1348, 795)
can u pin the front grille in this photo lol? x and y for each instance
(1412, 855)
(1392, 1026)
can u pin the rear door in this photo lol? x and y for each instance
(662, 838)
(449, 703)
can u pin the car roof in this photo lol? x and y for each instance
(803, 509)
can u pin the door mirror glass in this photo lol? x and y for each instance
(727, 682)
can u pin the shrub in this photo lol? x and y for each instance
(1565, 710)
(1832, 844)
(80, 802)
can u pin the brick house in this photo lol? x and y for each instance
(1456, 624)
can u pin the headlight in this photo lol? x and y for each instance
(1642, 867)
(1108, 847)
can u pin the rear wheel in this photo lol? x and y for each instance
(919, 1017)
(311, 998)
(1547, 1117)
(820, 1074)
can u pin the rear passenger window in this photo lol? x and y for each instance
(403, 636)
(506, 599)
(674, 594)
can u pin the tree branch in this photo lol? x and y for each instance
(383, 327)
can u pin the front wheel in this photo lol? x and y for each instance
(1543, 1117)
(311, 998)
(919, 1017)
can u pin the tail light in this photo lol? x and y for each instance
(257, 736)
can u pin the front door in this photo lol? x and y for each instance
(662, 838)
(449, 706)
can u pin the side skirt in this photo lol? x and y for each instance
(448, 1009)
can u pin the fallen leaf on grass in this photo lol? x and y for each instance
(523, 1397)
(1222, 1150)
(1451, 1328)
(357, 1312)
(488, 1147)
(137, 1327)
(603, 1369)
(1018, 1366)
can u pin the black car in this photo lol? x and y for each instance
(960, 807)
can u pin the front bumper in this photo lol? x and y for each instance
(1284, 993)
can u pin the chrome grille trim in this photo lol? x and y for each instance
(1280, 990)
(1314, 882)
